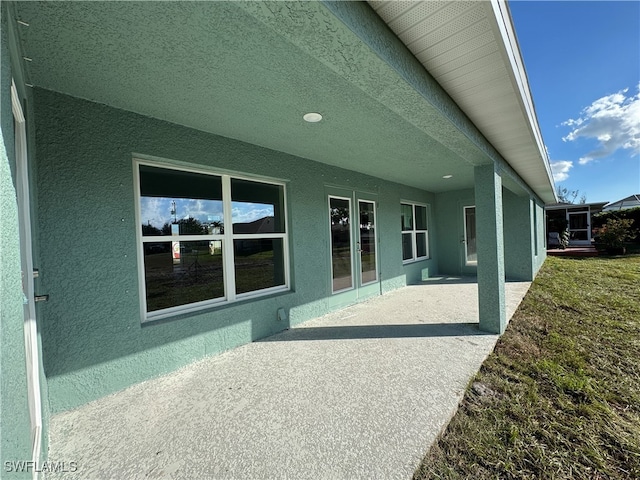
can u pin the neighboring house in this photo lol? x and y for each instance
(632, 201)
(119, 116)
(576, 218)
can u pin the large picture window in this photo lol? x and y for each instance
(207, 239)
(415, 232)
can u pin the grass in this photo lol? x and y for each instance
(559, 397)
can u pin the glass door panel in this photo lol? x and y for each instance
(471, 254)
(341, 258)
(579, 227)
(367, 247)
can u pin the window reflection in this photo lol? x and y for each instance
(256, 207)
(407, 246)
(196, 276)
(259, 264)
(174, 202)
(340, 215)
(367, 243)
(407, 216)
(184, 242)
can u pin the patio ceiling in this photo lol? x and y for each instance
(249, 71)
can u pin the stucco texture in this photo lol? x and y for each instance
(94, 342)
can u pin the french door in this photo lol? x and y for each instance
(354, 246)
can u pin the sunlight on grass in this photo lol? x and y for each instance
(560, 395)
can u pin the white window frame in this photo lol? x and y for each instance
(227, 238)
(415, 231)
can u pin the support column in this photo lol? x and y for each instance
(490, 247)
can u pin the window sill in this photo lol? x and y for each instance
(415, 260)
(211, 306)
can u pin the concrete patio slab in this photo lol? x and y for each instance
(359, 393)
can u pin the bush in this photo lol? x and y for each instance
(633, 214)
(615, 232)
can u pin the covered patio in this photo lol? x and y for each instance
(358, 393)
(186, 178)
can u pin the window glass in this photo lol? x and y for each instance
(470, 234)
(421, 217)
(185, 245)
(407, 217)
(193, 275)
(368, 270)
(421, 244)
(340, 217)
(173, 202)
(259, 264)
(407, 246)
(256, 207)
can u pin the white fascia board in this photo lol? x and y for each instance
(510, 42)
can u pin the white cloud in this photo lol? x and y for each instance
(249, 212)
(200, 209)
(613, 120)
(560, 170)
(154, 211)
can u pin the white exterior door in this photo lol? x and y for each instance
(353, 243)
(26, 257)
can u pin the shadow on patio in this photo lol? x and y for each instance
(358, 393)
(378, 331)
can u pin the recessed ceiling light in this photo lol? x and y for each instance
(447, 176)
(312, 117)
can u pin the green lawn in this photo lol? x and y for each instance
(560, 396)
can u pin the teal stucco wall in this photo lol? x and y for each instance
(522, 258)
(450, 231)
(525, 249)
(518, 236)
(94, 341)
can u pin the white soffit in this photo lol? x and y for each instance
(471, 50)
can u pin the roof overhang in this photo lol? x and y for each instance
(570, 206)
(250, 70)
(471, 49)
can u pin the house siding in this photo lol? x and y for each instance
(94, 341)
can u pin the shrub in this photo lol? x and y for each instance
(600, 219)
(615, 232)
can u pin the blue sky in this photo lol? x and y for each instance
(156, 211)
(583, 64)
